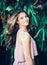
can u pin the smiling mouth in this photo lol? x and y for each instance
(26, 21)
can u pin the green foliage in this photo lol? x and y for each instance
(38, 19)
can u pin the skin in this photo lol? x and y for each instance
(24, 37)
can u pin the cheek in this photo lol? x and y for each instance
(20, 22)
(28, 19)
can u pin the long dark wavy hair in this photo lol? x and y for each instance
(15, 28)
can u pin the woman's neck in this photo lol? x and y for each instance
(23, 29)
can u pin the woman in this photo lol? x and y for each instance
(25, 47)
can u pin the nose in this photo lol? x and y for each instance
(25, 18)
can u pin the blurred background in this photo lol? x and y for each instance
(37, 11)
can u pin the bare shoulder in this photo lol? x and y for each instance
(24, 36)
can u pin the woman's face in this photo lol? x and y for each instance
(23, 19)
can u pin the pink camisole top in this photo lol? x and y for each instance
(18, 51)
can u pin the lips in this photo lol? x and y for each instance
(26, 20)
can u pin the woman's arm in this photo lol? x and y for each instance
(25, 38)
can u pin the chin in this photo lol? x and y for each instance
(26, 24)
